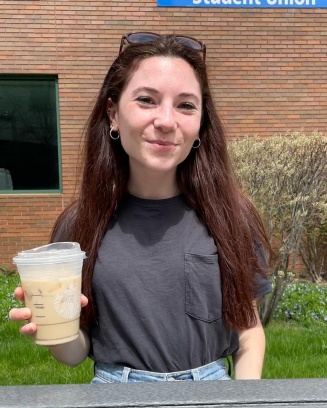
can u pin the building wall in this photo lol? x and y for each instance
(267, 67)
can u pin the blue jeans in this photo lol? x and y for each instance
(107, 373)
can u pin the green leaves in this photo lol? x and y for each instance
(7, 299)
(7, 271)
(304, 303)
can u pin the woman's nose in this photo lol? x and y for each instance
(165, 119)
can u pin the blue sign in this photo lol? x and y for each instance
(245, 3)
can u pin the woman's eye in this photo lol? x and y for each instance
(145, 100)
(187, 106)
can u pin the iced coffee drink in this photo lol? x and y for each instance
(55, 306)
(51, 279)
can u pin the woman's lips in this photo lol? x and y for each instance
(163, 145)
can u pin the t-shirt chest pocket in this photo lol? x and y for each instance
(203, 298)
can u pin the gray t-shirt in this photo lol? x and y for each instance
(157, 289)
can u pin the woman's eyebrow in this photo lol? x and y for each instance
(144, 89)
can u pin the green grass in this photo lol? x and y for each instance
(295, 351)
(7, 300)
(22, 362)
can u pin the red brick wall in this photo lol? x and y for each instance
(268, 73)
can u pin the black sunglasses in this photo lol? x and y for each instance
(144, 37)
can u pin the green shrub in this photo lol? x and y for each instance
(7, 299)
(303, 303)
(285, 175)
(7, 271)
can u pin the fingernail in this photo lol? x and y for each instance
(31, 330)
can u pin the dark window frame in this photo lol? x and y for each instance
(40, 77)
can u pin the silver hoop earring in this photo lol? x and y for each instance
(114, 136)
(196, 144)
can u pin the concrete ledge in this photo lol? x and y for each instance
(265, 393)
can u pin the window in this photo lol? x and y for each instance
(29, 134)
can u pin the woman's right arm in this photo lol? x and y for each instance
(72, 353)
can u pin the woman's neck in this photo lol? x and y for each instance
(153, 185)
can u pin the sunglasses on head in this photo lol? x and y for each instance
(145, 37)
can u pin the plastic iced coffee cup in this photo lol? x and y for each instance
(50, 276)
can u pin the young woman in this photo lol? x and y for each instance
(176, 253)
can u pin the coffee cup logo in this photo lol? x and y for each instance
(68, 304)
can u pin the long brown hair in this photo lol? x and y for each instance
(204, 178)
